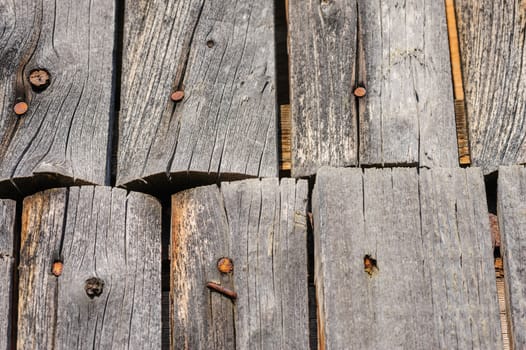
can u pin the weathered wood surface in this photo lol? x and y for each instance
(434, 286)
(65, 130)
(7, 232)
(512, 219)
(400, 54)
(493, 53)
(222, 56)
(96, 232)
(261, 226)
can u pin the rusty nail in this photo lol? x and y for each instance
(225, 265)
(20, 108)
(39, 79)
(177, 96)
(226, 292)
(369, 264)
(57, 268)
(360, 91)
(93, 287)
(210, 43)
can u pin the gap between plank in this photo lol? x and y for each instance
(464, 156)
(281, 38)
(17, 233)
(113, 127)
(490, 182)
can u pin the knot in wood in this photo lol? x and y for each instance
(93, 287)
(39, 79)
(225, 265)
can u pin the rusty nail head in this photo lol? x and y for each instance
(225, 265)
(93, 287)
(177, 96)
(57, 268)
(360, 91)
(39, 79)
(20, 108)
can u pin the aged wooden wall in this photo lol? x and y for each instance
(262, 174)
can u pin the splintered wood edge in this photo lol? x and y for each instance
(464, 156)
(285, 129)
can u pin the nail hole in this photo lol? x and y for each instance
(370, 265)
(93, 287)
(210, 43)
(39, 79)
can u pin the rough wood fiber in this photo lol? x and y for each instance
(222, 55)
(261, 226)
(399, 52)
(430, 237)
(96, 232)
(322, 54)
(7, 231)
(64, 134)
(512, 219)
(493, 49)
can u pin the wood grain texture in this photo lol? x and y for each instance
(96, 232)
(222, 56)
(7, 260)
(322, 55)
(492, 45)
(64, 134)
(512, 220)
(399, 53)
(408, 116)
(430, 237)
(261, 226)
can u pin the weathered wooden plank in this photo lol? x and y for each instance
(493, 64)
(64, 132)
(7, 232)
(97, 232)
(261, 226)
(222, 56)
(512, 219)
(397, 52)
(322, 55)
(433, 280)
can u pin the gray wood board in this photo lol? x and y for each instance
(7, 232)
(261, 226)
(97, 232)
(493, 53)
(222, 56)
(512, 221)
(64, 133)
(400, 54)
(429, 233)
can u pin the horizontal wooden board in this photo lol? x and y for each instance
(261, 226)
(493, 52)
(221, 54)
(63, 136)
(400, 54)
(512, 220)
(7, 260)
(96, 232)
(432, 279)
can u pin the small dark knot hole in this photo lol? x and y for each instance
(39, 79)
(94, 287)
(210, 43)
(370, 265)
